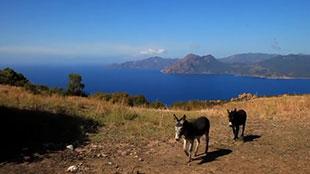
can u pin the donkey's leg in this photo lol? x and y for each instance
(207, 142)
(185, 146)
(190, 147)
(236, 132)
(197, 145)
(243, 127)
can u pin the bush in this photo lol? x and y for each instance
(58, 91)
(196, 104)
(138, 100)
(157, 105)
(75, 85)
(41, 89)
(121, 98)
(9, 77)
(102, 96)
(35, 89)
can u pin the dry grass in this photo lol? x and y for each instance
(145, 122)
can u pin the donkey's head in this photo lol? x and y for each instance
(231, 115)
(179, 126)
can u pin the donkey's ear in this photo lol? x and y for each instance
(184, 117)
(228, 111)
(175, 117)
(235, 109)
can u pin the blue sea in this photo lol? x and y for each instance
(167, 88)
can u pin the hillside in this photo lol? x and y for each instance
(195, 64)
(257, 65)
(289, 65)
(154, 63)
(247, 58)
(110, 138)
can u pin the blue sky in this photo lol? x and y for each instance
(102, 31)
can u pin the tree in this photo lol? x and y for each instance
(9, 77)
(75, 85)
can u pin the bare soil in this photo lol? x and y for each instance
(269, 146)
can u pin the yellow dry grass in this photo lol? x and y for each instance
(141, 122)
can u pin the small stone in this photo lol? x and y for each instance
(140, 159)
(124, 153)
(110, 163)
(72, 168)
(70, 147)
(136, 156)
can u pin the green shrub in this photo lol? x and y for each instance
(102, 96)
(157, 105)
(120, 97)
(138, 100)
(58, 91)
(75, 85)
(9, 77)
(196, 104)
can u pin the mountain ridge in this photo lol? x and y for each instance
(246, 64)
(264, 65)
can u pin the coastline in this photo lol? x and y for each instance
(244, 75)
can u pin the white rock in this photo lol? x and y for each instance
(72, 168)
(70, 147)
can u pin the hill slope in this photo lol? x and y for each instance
(289, 65)
(247, 58)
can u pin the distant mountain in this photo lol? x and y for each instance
(292, 65)
(263, 65)
(155, 63)
(247, 58)
(195, 64)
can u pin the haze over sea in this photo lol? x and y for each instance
(167, 88)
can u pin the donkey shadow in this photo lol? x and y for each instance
(212, 156)
(249, 138)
